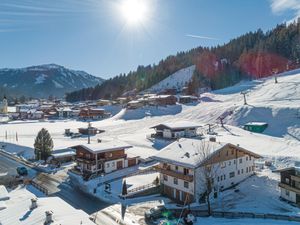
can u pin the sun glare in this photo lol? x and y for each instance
(134, 11)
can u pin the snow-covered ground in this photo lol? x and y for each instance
(177, 80)
(277, 104)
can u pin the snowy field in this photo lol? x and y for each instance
(276, 104)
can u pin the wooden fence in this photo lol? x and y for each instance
(239, 215)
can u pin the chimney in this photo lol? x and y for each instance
(33, 203)
(48, 217)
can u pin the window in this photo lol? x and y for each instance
(238, 172)
(246, 169)
(224, 177)
(165, 178)
(287, 192)
(221, 178)
(218, 179)
(234, 161)
(186, 171)
(186, 184)
(107, 165)
(176, 167)
(113, 164)
(229, 163)
(232, 151)
(250, 158)
(227, 153)
(246, 158)
(287, 180)
(241, 160)
(242, 171)
(88, 156)
(175, 180)
(223, 164)
(231, 175)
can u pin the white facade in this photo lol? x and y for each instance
(226, 174)
(167, 133)
(288, 195)
(180, 185)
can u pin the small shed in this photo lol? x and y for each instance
(257, 127)
(89, 130)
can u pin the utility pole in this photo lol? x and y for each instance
(88, 130)
(244, 94)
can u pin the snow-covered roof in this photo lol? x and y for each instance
(188, 96)
(104, 147)
(18, 211)
(63, 153)
(3, 193)
(295, 168)
(187, 152)
(256, 123)
(178, 125)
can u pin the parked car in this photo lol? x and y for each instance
(22, 171)
(156, 213)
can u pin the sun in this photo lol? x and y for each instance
(134, 11)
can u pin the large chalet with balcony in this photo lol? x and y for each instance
(102, 158)
(290, 184)
(182, 164)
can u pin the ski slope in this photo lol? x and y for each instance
(177, 80)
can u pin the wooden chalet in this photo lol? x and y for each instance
(93, 114)
(103, 158)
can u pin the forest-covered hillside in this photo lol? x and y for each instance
(252, 55)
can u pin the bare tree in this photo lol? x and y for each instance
(205, 172)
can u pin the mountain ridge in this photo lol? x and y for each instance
(44, 80)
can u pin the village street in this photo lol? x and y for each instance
(63, 190)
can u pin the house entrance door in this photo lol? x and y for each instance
(120, 165)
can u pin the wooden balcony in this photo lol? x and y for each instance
(290, 188)
(176, 174)
(86, 161)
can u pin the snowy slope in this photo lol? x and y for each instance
(177, 80)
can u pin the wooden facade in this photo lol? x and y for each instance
(102, 162)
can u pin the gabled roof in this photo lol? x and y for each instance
(17, 210)
(178, 125)
(104, 147)
(187, 152)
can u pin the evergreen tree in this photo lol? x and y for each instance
(124, 188)
(43, 145)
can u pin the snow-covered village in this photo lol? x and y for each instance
(209, 135)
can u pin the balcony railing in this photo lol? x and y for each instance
(176, 174)
(85, 160)
(288, 187)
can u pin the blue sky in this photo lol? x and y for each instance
(95, 35)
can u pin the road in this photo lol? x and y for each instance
(65, 191)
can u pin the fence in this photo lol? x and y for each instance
(140, 188)
(39, 187)
(238, 215)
